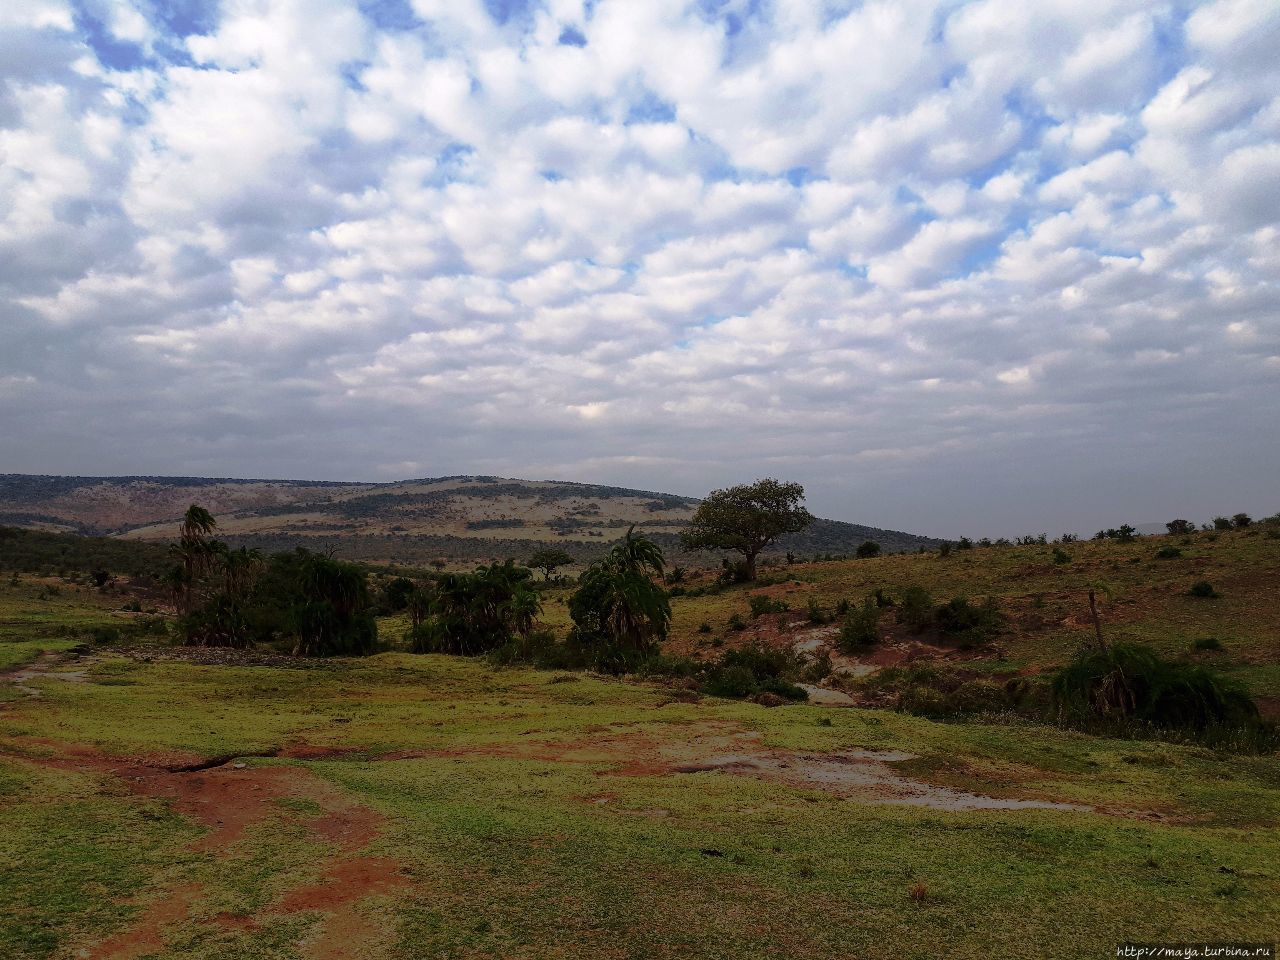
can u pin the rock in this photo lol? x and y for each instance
(768, 699)
(238, 766)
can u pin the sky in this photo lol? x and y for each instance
(984, 268)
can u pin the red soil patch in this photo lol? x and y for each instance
(344, 882)
(229, 799)
(147, 935)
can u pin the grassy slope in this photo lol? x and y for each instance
(1046, 602)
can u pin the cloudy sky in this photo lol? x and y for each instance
(988, 268)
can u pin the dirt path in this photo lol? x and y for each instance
(229, 799)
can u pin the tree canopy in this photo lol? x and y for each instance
(747, 519)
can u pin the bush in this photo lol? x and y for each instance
(916, 609)
(735, 622)
(1061, 556)
(816, 614)
(868, 549)
(971, 624)
(762, 605)
(104, 635)
(1132, 682)
(1168, 553)
(861, 628)
(842, 607)
(704, 627)
(938, 691)
(753, 670)
(1202, 589)
(1207, 643)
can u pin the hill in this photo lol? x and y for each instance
(458, 518)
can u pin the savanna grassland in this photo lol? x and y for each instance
(169, 802)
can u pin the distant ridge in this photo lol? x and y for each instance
(465, 517)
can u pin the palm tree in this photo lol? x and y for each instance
(620, 607)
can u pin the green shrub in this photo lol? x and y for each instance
(1202, 589)
(735, 622)
(916, 608)
(762, 605)
(1060, 556)
(816, 614)
(704, 627)
(753, 670)
(104, 635)
(861, 628)
(868, 549)
(1207, 643)
(1132, 682)
(968, 623)
(1168, 553)
(842, 607)
(881, 598)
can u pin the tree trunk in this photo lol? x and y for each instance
(1097, 623)
(749, 566)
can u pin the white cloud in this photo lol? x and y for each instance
(881, 237)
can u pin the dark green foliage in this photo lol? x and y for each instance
(1180, 527)
(916, 608)
(1132, 682)
(548, 561)
(868, 549)
(881, 598)
(761, 604)
(1168, 553)
(704, 627)
(33, 550)
(1202, 589)
(332, 614)
(753, 670)
(496, 523)
(861, 627)
(842, 607)
(735, 622)
(747, 519)
(1222, 523)
(816, 614)
(396, 594)
(1060, 556)
(1241, 520)
(945, 549)
(1207, 643)
(968, 623)
(474, 613)
(933, 690)
(620, 610)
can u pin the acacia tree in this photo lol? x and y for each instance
(548, 559)
(747, 518)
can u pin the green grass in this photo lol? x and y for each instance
(514, 856)
(524, 831)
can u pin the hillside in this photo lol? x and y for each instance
(412, 521)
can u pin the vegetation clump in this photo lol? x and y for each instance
(1132, 684)
(746, 519)
(861, 627)
(753, 670)
(474, 613)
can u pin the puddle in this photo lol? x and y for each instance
(860, 774)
